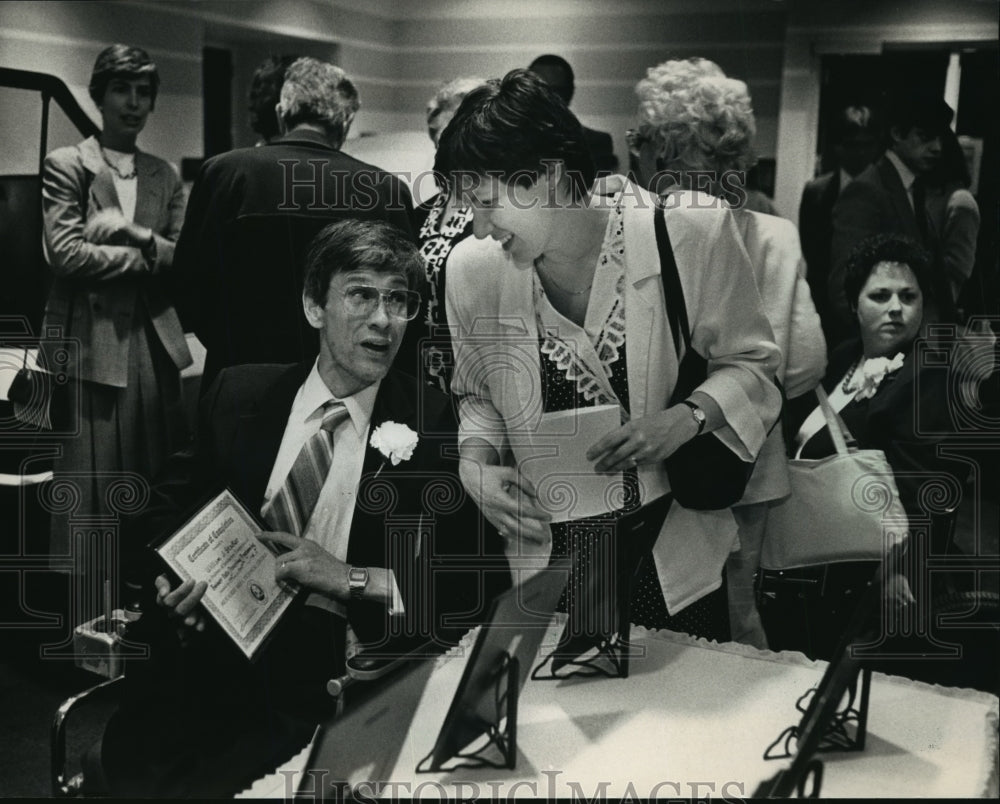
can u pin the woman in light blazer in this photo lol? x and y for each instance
(559, 306)
(696, 128)
(111, 217)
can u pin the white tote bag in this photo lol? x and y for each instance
(844, 507)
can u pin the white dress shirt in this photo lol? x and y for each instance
(330, 523)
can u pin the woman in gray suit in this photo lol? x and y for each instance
(112, 214)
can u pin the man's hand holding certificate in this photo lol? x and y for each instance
(223, 565)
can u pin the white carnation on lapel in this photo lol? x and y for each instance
(394, 440)
(868, 377)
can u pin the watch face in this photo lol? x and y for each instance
(357, 575)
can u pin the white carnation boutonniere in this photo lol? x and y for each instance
(394, 440)
(867, 377)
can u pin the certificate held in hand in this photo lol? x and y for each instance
(565, 480)
(219, 545)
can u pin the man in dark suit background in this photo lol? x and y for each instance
(888, 196)
(251, 216)
(556, 72)
(856, 145)
(198, 718)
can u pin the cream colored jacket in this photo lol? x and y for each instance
(497, 372)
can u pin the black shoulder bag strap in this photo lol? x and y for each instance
(703, 473)
(692, 368)
(673, 293)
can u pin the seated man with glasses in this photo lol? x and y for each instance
(368, 545)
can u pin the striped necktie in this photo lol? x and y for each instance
(293, 504)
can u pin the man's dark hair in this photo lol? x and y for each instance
(511, 128)
(349, 245)
(126, 62)
(885, 248)
(265, 90)
(951, 170)
(918, 108)
(557, 73)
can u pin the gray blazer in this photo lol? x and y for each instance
(97, 289)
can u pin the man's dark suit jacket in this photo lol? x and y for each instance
(602, 149)
(815, 234)
(238, 265)
(874, 203)
(200, 719)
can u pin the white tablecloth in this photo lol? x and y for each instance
(692, 720)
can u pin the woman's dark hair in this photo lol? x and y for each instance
(352, 244)
(510, 128)
(885, 248)
(122, 61)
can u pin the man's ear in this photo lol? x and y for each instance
(895, 135)
(313, 311)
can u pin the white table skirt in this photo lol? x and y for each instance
(693, 720)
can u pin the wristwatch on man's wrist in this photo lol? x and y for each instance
(357, 581)
(698, 414)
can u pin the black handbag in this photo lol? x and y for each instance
(704, 474)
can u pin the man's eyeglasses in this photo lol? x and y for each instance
(363, 300)
(635, 140)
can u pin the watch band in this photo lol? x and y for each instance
(357, 581)
(698, 414)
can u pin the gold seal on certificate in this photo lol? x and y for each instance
(219, 545)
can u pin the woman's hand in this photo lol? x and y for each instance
(182, 605)
(104, 226)
(507, 499)
(310, 566)
(651, 439)
(110, 227)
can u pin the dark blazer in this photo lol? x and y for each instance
(875, 202)
(220, 721)
(241, 254)
(602, 149)
(97, 290)
(815, 234)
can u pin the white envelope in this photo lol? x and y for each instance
(567, 485)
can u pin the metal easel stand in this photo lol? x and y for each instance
(501, 732)
(607, 657)
(837, 736)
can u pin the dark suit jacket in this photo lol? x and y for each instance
(241, 254)
(815, 234)
(98, 289)
(602, 149)
(229, 721)
(875, 202)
